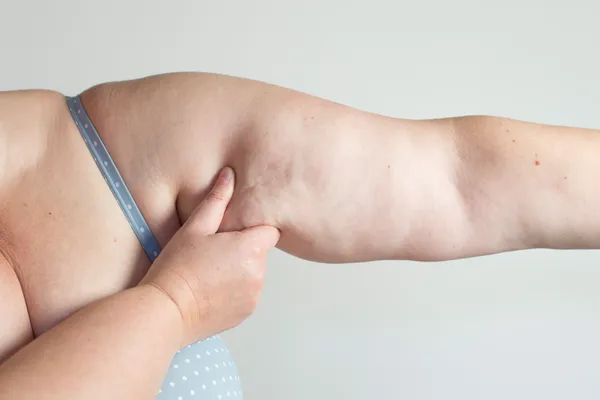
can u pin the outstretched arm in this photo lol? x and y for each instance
(374, 187)
(344, 185)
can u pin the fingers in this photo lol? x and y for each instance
(263, 238)
(207, 216)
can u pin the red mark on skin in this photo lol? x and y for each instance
(514, 141)
(49, 213)
(388, 166)
(537, 163)
(115, 240)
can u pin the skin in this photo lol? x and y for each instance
(341, 185)
(201, 284)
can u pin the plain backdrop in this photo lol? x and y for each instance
(513, 326)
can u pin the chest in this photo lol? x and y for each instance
(70, 240)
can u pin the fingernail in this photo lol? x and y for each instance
(226, 175)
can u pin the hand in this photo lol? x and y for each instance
(214, 279)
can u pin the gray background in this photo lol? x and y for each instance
(519, 326)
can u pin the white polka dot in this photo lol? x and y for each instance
(215, 383)
(187, 360)
(129, 206)
(198, 356)
(117, 184)
(78, 111)
(230, 377)
(184, 378)
(105, 163)
(203, 387)
(192, 392)
(224, 364)
(142, 230)
(207, 369)
(223, 379)
(172, 384)
(175, 366)
(179, 398)
(207, 353)
(216, 365)
(85, 126)
(216, 350)
(95, 143)
(155, 253)
(196, 373)
(228, 394)
(220, 397)
(159, 391)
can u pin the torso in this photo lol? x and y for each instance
(69, 242)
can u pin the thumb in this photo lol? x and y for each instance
(207, 216)
(263, 237)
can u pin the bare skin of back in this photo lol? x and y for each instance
(341, 185)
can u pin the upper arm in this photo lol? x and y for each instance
(15, 328)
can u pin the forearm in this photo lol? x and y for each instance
(527, 185)
(117, 348)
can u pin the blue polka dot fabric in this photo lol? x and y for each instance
(203, 371)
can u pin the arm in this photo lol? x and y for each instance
(344, 185)
(527, 185)
(368, 187)
(118, 348)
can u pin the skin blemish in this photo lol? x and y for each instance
(49, 213)
(514, 141)
(115, 240)
(389, 166)
(537, 163)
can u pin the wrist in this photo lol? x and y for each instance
(166, 308)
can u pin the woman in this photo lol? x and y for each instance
(341, 185)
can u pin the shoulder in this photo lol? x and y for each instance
(27, 119)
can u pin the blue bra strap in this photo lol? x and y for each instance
(113, 178)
